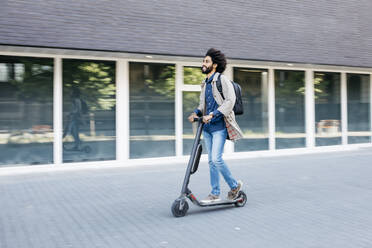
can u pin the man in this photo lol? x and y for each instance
(73, 125)
(220, 124)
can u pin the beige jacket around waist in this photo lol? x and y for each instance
(225, 106)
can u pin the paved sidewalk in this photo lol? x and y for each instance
(317, 200)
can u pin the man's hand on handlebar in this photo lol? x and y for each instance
(192, 117)
(207, 118)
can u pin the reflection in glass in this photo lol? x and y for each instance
(254, 121)
(152, 116)
(327, 108)
(26, 110)
(358, 104)
(89, 101)
(289, 109)
(192, 75)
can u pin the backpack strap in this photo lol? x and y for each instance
(219, 86)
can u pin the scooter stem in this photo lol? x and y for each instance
(193, 154)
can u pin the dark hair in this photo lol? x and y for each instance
(217, 58)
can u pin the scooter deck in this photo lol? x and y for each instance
(216, 203)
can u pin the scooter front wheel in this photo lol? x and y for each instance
(179, 208)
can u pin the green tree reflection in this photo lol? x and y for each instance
(164, 84)
(192, 75)
(32, 79)
(94, 79)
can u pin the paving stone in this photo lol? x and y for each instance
(317, 200)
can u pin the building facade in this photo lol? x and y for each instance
(114, 81)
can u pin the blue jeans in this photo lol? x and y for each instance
(215, 142)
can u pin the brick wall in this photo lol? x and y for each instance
(308, 31)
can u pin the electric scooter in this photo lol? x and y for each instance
(180, 205)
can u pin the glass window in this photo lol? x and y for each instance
(152, 115)
(4, 72)
(289, 109)
(89, 101)
(358, 108)
(254, 121)
(26, 110)
(327, 108)
(190, 102)
(193, 75)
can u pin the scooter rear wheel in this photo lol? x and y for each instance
(179, 211)
(243, 200)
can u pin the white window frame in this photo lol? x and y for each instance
(57, 111)
(309, 108)
(344, 124)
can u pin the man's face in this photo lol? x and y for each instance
(207, 66)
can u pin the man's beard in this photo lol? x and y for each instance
(207, 70)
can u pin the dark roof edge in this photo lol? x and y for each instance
(184, 55)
